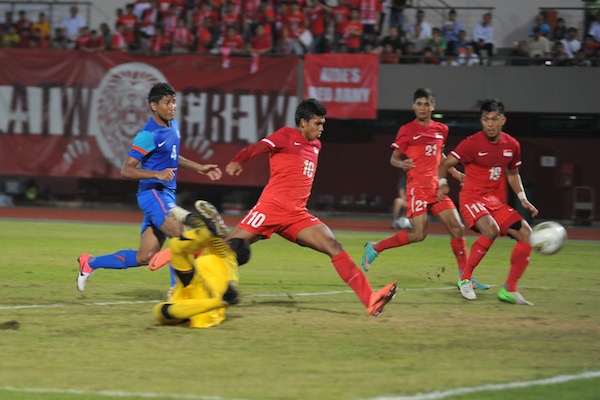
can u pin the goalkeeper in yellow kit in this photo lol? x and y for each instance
(206, 268)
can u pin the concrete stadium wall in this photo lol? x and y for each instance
(523, 89)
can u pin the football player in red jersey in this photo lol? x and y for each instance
(491, 157)
(418, 150)
(281, 208)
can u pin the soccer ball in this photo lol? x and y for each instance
(548, 237)
(401, 223)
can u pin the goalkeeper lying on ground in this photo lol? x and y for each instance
(206, 268)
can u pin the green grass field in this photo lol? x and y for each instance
(299, 332)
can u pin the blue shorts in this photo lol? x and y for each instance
(155, 204)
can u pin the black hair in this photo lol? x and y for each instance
(309, 109)
(241, 248)
(424, 92)
(491, 105)
(159, 91)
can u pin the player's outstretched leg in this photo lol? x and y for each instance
(380, 298)
(85, 271)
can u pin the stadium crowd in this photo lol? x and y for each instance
(253, 27)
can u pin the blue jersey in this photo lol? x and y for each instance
(157, 147)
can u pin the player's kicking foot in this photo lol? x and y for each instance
(198, 219)
(231, 295)
(380, 298)
(85, 271)
(209, 212)
(369, 256)
(513, 297)
(466, 289)
(160, 259)
(478, 285)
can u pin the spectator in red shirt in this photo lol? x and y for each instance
(229, 18)
(129, 20)
(24, 38)
(204, 36)
(170, 21)
(260, 43)
(341, 15)
(181, 38)
(389, 55)
(353, 32)
(164, 7)
(159, 43)
(204, 11)
(316, 17)
(22, 23)
(295, 24)
(233, 41)
(38, 41)
(118, 41)
(265, 15)
(93, 44)
(84, 35)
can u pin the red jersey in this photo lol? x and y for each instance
(424, 145)
(236, 42)
(129, 21)
(352, 32)
(340, 18)
(295, 23)
(316, 17)
(263, 42)
(204, 40)
(293, 163)
(486, 163)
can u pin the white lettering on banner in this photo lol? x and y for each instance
(79, 112)
(352, 95)
(321, 93)
(344, 75)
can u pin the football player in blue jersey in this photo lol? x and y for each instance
(153, 160)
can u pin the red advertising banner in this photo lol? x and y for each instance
(345, 83)
(74, 114)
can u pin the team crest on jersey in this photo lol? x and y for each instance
(507, 153)
(121, 107)
(316, 150)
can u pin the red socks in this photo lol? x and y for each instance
(347, 270)
(399, 239)
(459, 248)
(519, 260)
(478, 250)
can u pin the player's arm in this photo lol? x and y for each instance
(234, 168)
(514, 180)
(446, 164)
(211, 170)
(130, 170)
(400, 160)
(456, 174)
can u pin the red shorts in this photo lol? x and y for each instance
(473, 208)
(419, 201)
(267, 218)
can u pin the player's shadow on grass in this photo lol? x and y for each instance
(291, 304)
(144, 294)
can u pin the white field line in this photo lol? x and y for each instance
(266, 295)
(113, 393)
(495, 387)
(421, 396)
